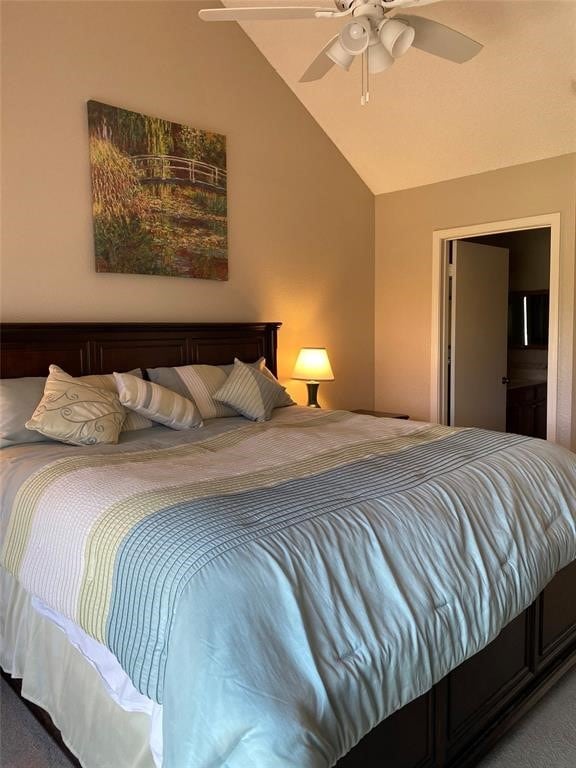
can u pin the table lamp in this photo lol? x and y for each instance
(313, 366)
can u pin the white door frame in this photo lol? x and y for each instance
(439, 344)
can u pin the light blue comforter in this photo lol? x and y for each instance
(293, 583)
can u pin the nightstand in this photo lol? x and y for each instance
(382, 414)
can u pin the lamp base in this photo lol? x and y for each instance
(313, 394)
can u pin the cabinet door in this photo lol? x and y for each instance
(540, 411)
(517, 420)
(519, 415)
(526, 411)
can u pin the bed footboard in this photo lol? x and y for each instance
(465, 714)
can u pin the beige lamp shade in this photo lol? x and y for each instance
(312, 364)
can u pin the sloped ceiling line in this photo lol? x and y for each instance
(429, 119)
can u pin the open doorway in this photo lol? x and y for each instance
(514, 323)
(529, 359)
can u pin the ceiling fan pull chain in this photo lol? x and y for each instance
(367, 54)
(365, 98)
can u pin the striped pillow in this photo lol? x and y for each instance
(196, 382)
(250, 392)
(156, 402)
(201, 382)
(284, 398)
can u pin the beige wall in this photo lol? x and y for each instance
(301, 236)
(404, 223)
(301, 223)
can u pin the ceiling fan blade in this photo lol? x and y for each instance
(320, 66)
(258, 14)
(391, 4)
(442, 41)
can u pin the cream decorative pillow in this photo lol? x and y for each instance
(157, 402)
(250, 392)
(75, 412)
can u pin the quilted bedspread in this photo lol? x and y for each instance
(282, 587)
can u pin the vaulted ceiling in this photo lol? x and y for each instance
(429, 119)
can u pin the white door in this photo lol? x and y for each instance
(478, 336)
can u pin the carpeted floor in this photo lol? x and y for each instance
(23, 741)
(546, 738)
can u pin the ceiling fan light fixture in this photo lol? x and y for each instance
(355, 36)
(396, 36)
(378, 59)
(339, 55)
(370, 34)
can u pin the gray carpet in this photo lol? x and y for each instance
(546, 738)
(23, 741)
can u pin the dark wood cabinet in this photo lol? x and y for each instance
(526, 410)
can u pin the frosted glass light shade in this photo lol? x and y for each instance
(396, 37)
(339, 55)
(379, 59)
(355, 36)
(312, 364)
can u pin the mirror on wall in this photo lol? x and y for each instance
(528, 318)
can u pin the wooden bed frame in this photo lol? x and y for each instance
(462, 717)
(27, 349)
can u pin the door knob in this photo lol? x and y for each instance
(505, 380)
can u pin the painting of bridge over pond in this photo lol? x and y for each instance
(158, 195)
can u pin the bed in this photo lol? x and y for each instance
(318, 589)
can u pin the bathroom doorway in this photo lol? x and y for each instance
(528, 378)
(520, 338)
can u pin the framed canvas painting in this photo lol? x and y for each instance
(158, 195)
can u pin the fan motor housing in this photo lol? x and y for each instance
(343, 5)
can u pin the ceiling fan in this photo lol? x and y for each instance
(371, 33)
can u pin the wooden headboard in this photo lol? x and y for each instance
(27, 349)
